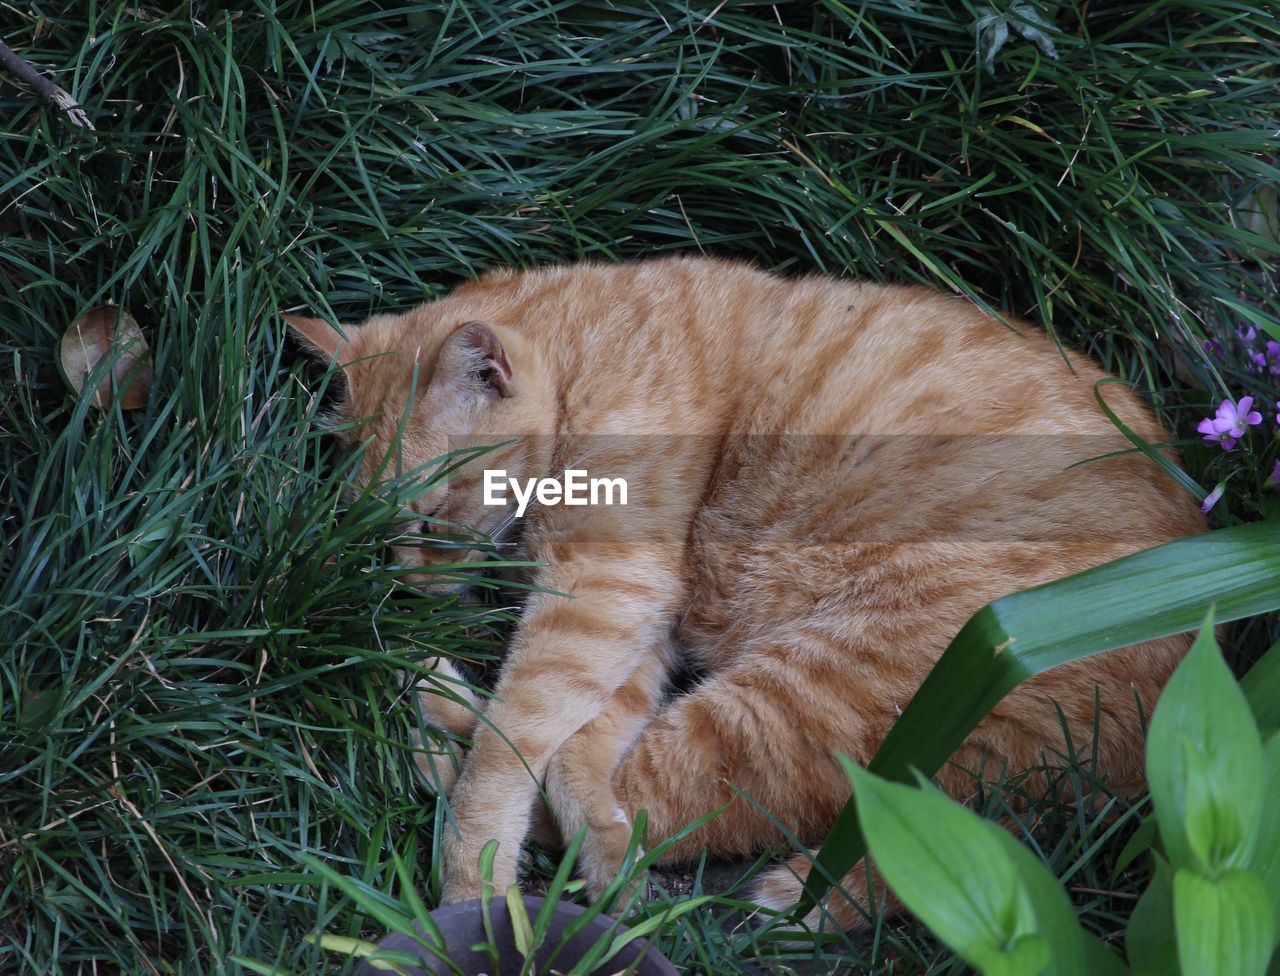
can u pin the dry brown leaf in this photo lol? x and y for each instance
(89, 339)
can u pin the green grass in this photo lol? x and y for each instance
(199, 677)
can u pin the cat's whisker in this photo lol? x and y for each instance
(503, 525)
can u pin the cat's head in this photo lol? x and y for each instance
(416, 388)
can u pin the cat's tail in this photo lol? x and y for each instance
(853, 904)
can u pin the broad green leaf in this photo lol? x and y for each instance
(487, 889)
(558, 887)
(1261, 686)
(1265, 861)
(1205, 763)
(1224, 925)
(152, 538)
(1216, 821)
(1071, 950)
(1137, 844)
(1099, 960)
(396, 962)
(947, 867)
(1149, 940)
(1160, 591)
(1026, 955)
(342, 944)
(521, 929)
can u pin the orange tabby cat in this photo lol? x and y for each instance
(825, 480)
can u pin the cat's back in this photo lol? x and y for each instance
(810, 352)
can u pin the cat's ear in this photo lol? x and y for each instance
(325, 344)
(316, 336)
(474, 358)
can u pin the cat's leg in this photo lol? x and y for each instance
(444, 701)
(766, 727)
(579, 779)
(759, 737)
(770, 724)
(565, 663)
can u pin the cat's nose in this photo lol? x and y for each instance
(409, 533)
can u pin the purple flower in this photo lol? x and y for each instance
(1248, 334)
(1222, 440)
(1229, 424)
(1212, 436)
(1214, 348)
(1238, 416)
(1212, 498)
(1273, 356)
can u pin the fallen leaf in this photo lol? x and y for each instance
(992, 31)
(89, 340)
(1259, 212)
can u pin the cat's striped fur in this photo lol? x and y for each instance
(830, 477)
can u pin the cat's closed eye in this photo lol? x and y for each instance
(429, 522)
(411, 530)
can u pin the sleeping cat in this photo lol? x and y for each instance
(826, 479)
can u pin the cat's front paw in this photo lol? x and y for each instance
(460, 877)
(446, 701)
(463, 852)
(439, 763)
(458, 889)
(603, 852)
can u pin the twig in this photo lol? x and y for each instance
(1127, 896)
(45, 88)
